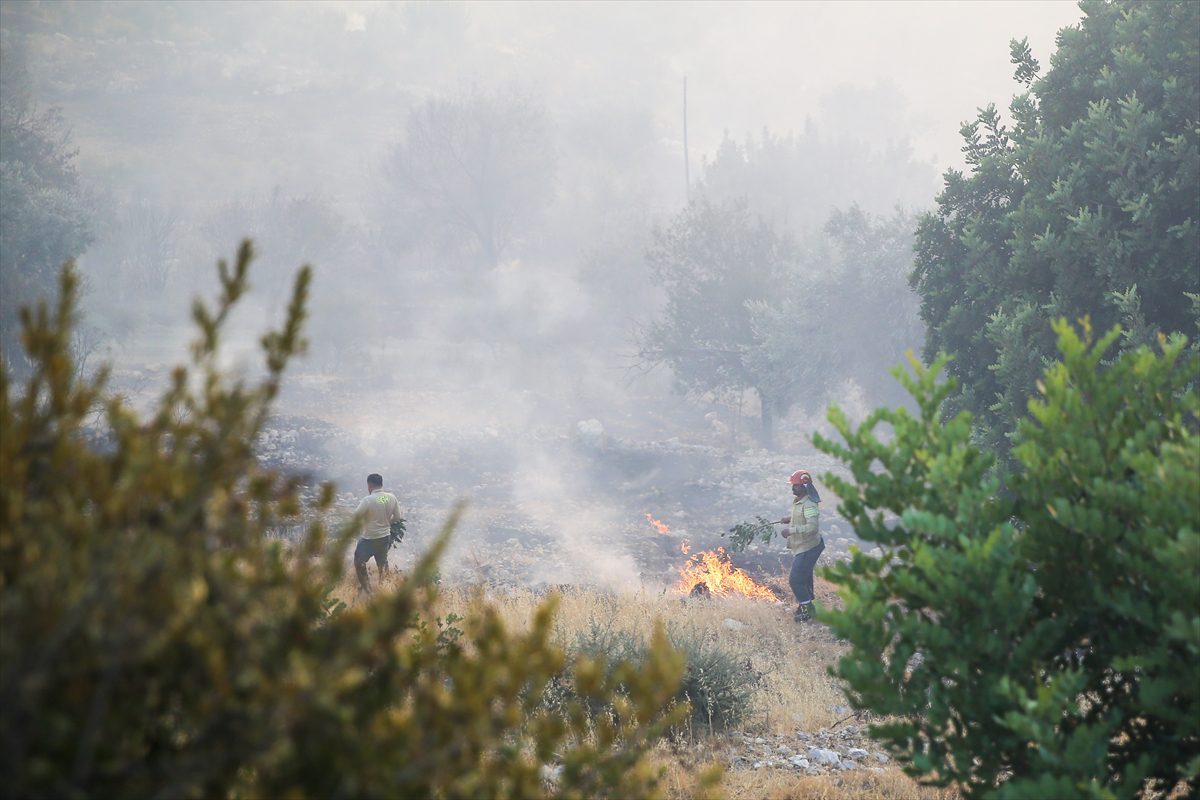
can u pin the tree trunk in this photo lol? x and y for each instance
(766, 436)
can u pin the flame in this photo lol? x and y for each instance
(684, 547)
(658, 526)
(723, 579)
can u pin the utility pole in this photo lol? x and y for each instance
(687, 179)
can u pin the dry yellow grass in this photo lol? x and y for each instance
(794, 691)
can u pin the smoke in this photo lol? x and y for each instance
(475, 186)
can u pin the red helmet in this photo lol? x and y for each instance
(800, 476)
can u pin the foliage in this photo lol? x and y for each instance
(714, 260)
(154, 642)
(1043, 641)
(748, 308)
(796, 179)
(473, 173)
(742, 534)
(1087, 206)
(44, 213)
(846, 313)
(716, 684)
(716, 688)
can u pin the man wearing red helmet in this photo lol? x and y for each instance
(803, 536)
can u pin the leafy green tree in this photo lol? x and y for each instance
(796, 179)
(155, 643)
(1044, 641)
(714, 261)
(747, 308)
(43, 208)
(845, 313)
(1087, 206)
(473, 173)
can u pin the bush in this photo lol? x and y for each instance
(716, 687)
(1040, 631)
(154, 642)
(716, 684)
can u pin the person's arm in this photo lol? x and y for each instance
(361, 514)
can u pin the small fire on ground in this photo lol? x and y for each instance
(709, 573)
(661, 527)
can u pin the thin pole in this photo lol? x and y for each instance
(687, 179)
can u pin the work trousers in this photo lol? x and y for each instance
(801, 577)
(364, 552)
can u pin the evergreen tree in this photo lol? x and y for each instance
(154, 642)
(1043, 641)
(1089, 205)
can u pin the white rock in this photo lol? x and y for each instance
(820, 755)
(882, 758)
(758, 765)
(856, 752)
(551, 773)
(733, 624)
(799, 762)
(759, 740)
(590, 433)
(848, 764)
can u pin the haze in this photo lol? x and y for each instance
(486, 335)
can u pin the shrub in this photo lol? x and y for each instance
(154, 642)
(1039, 631)
(715, 686)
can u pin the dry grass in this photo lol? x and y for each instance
(789, 662)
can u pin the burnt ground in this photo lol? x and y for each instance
(559, 504)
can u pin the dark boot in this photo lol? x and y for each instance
(803, 612)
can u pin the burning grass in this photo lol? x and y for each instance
(710, 573)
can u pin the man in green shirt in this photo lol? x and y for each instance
(377, 511)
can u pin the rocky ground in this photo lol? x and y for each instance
(826, 750)
(548, 503)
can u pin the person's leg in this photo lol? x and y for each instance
(381, 553)
(801, 579)
(795, 579)
(362, 553)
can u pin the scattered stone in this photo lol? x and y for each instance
(820, 755)
(551, 773)
(733, 624)
(799, 762)
(882, 758)
(856, 752)
(848, 764)
(590, 433)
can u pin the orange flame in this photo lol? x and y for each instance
(722, 578)
(658, 526)
(684, 547)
